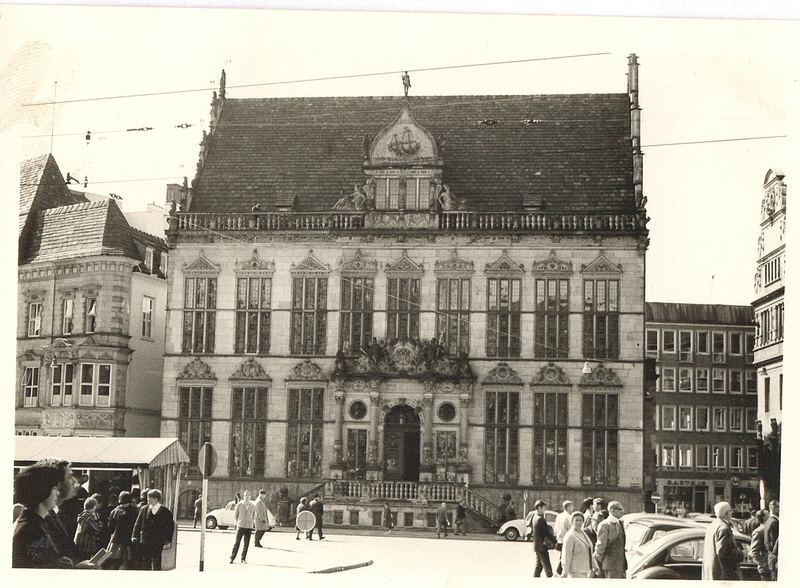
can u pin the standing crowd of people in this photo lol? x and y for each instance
(58, 525)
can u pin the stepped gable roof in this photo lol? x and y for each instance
(572, 154)
(42, 186)
(699, 314)
(80, 230)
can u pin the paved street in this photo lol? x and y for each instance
(399, 553)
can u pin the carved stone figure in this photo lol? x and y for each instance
(446, 199)
(406, 83)
(365, 147)
(369, 193)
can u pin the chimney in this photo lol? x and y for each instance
(636, 128)
(173, 194)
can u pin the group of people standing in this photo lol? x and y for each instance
(590, 540)
(316, 507)
(249, 515)
(132, 527)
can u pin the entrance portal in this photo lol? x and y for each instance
(401, 435)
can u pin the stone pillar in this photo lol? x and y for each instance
(374, 465)
(463, 469)
(337, 466)
(427, 465)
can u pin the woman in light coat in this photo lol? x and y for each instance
(576, 552)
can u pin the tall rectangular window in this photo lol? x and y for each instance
(685, 379)
(61, 390)
(90, 318)
(737, 458)
(685, 418)
(194, 420)
(552, 318)
(199, 315)
(766, 395)
(550, 438)
(701, 457)
(30, 386)
(95, 384)
(751, 416)
(305, 420)
(356, 457)
(501, 445)
(600, 453)
(503, 317)
(445, 446)
(718, 380)
(402, 308)
(668, 379)
(736, 343)
(248, 431)
(309, 315)
(667, 418)
(751, 382)
(735, 383)
(163, 263)
(718, 347)
(701, 379)
(702, 418)
(685, 345)
(652, 343)
(718, 457)
(452, 317)
(34, 319)
(752, 458)
(67, 316)
(669, 341)
(601, 318)
(719, 416)
(253, 304)
(147, 317)
(668, 456)
(355, 327)
(685, 457)
(736, 415)
(702, 342)
(148, 258)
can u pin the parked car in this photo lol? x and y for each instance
(678, 555)
(642, 530)
(223, 518)
(514, 529)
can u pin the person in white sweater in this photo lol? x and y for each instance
(576, 552)
(244, 513)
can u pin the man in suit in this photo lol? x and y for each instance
(543, 541)
(758, 548)
(152, 530)
(442, 522)
(316, 507)
(721, 555)
(771, 538)
(609, 550)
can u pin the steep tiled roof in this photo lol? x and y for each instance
(574, 154)
(42, 186)
(698, 314)
(80, 230)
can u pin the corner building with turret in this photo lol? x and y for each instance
(414, 300)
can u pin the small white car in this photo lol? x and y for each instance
(223, 518)
(514, 529)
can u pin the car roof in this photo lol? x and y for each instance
(674, 537)
(665, 522)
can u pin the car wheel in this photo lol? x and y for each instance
(211, 523)
(511, 534)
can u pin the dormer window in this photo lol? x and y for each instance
(91, 315)
(148, 258)
(410, 193)
(163, 264)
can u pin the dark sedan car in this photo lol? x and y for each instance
(678, 555)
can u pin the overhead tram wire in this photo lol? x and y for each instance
(321, 79)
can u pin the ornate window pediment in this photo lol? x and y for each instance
(307, 371)
(454, 266)
(502, 374)
(602, 267)
(33, 295)
(255, 266)
(552, 266)
(401, 142)
(197, 369)
(601, 376)
(504, 266)
(250, 369)
(405, 267)
(310, 266)
(201, 266)
(358, 266)
(551, 375)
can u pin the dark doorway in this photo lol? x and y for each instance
(401, 435)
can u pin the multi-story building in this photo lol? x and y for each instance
(90, 314)
(705, 405)
(768, 308)
(474, 314)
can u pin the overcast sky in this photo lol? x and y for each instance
(700, 80)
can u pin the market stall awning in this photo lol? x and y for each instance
(100, 452)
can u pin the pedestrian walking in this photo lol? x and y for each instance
(152, 531)
(318, 509)
(244, 514)
(758, 547)
(387, 518)
(301, 506)
(120, 526)
(563, 524)
(771, 537)
(543, 540)
(609, 550)
(88, 535)
(261, 517)
(721, 555)
(442, 522)
(461, 518)
(198, 511)
(576, 550)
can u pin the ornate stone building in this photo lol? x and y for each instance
(397, 297)
(768, 308)
(705, 442)
(90, 314)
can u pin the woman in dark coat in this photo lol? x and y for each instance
(90, 529)
(120, 526)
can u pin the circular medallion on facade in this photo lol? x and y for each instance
(358, 410)
(446, 412)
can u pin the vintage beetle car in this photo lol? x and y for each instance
(514, 529)
(641, 530)
(223, 518)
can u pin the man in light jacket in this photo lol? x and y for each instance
(563, 524)
(771, 537)
(244, 514)
(609, 551)
(721, 555)
(261, 517)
